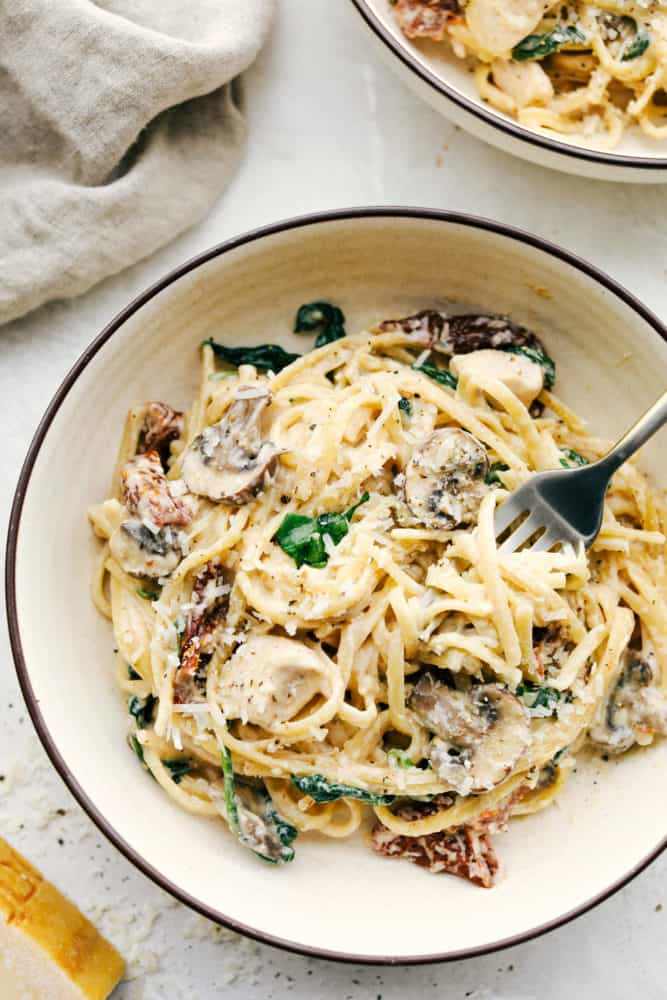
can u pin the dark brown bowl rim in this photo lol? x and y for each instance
(489, 117)
(32, 703)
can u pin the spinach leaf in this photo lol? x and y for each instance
(539, 357)
(253, 818)
(148, 595)
(399, 758)
(138, 749)
(572, 458)
(178, 768)
(141, 709)
(492, 478)
(322, 790)
(441, 375)
(270, 357)
(302, 537)
(321, 316)
(637, 45)
(540, 46)
(405, 406)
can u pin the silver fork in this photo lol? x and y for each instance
(567, 504)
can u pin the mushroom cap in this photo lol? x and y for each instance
(479, 734)
(142, 552)
(229, 462)
(444, 479)
(270, 679)
(636, 706)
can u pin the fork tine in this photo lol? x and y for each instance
(505, 514)
(544, 543)
(522, 533)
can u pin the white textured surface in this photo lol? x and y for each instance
(329, 127)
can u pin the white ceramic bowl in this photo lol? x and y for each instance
(337, 899)
(442, 80)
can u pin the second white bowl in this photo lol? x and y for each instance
(444, 82)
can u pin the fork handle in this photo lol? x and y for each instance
(639, 433)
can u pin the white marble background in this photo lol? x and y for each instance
(329, 127)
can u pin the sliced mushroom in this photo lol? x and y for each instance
(229, 461)
(461, 334)
(636, 708)
(523, 377)
(479, 734)
(498, 25)
(444, 479)
(426, 18)
(142, 552)
(270, 679)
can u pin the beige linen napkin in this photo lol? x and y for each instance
(118, 130)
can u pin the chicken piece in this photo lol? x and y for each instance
(270, 679)
(523, 377)
(525, 82)
(498, 25)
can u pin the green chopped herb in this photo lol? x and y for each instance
(540, 700)
(405, 406)
(441, 375)
(540, 46)
(539, 357)
(322, 790)
(637, 45)
(328, 320)
(270, 357)
(141, 709)
(148, 595)
(399, 758)
(557, 757)
(492, 477)
(178, 768)
(253, 818)
(132, 674)
(302, 537)
(572, 458)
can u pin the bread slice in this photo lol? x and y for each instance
(48, 950)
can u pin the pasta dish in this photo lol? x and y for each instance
(580, 69)
(316, 628)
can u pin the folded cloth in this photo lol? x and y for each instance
(119, 130)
